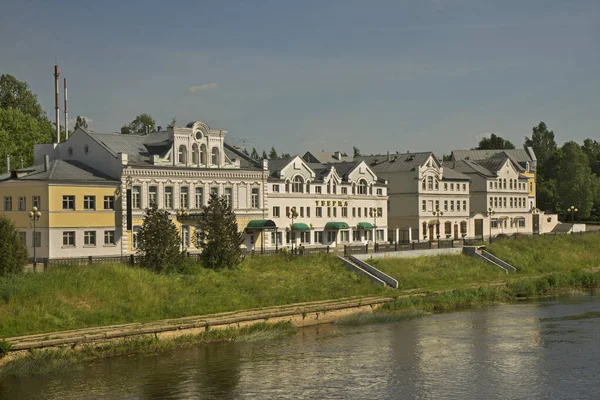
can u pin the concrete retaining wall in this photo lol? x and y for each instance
(411, 253)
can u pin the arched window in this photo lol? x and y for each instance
(182, 154)
(424, 230)
(463, 227)
(504, 183)
(362, 187)
(215, 156)
(437, 185)
(203, 154)
(448, 228)
(298, 185)
(195, 154)
(430, 183)
(423, 185)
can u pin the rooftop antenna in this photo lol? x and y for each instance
(66, 113)
(57, 103)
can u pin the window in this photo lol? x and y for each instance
(195, 154)
(345, 190)
(445, 205)
(437, 185)
(344, 211)
(203, 154)
(511, 184)
(136, 237)
(37, 239)
(491, 185)
(504, 202)
(345, 236)
(328, 212)
(298, 184)
(318, 189)
(353, 212)
(184, 197)
(89, 238)
(182, 154)
(23, 237)
(301, 211)
(423, 206)
(379, 212)
(22, 204)
(423, 185)
(69, 239)
(495, 202)
(379, 192)
(215, 156)
(308, 212)
(109, 238)
(464, 205)
(464, 187)
(255, 198)
(109, 202)
(491, 202)
(136, 193)
(185, 233)
(494, 222)
(334, 190)
(199, 197)
(451, 205)
(36, 202)
(362, 187)
(522, 223)
(276, 238)
(229, 196)
(276, 212)
(359, 210)
(318, 237)
(445, 186)
(319, 212)
(511, 202)
(334, 212)
(68, 202)
(89, 202)
(495, 184)
(430, 183)
(452, 187)
(7, 203)
(504, 183)
(463, 227)
(169, 197)
(275, 188)
(437, 204)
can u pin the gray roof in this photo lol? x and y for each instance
(60, 171)
(519, 156)
(468, 167)
(454, 175)
(246, 162)
(397, 162)
(277, 164)
(324, 157)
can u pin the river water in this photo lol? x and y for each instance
(533, 350)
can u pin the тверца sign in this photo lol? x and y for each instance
(333, 203)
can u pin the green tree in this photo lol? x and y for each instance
(172, 124)
(19, 132)
(254, 154)
(576, 185)
(17, 95)
(285, 155)
(159, 242)
(356, 151)
(264, 155)
(81, 122)
(544, 146)
(591, 148)
(143, 123)
(494, 142)
(245, 151)
(218, 235)
(273, 153)
(14, 253)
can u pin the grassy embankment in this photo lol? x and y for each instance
(546, 265)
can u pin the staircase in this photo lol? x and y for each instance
(368, 271)
(480, 253)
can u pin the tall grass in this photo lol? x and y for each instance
(76, 297)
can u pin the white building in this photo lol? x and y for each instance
(426, 200)
(331, 204)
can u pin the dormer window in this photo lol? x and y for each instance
(362, 187)
(215, 156)
(182, 154)
(298, 185)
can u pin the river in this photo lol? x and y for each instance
(532, 350)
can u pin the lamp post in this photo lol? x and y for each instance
(437, 214)
(181, 216)
(292, 214)
(489, 213)
(34, 215)
(572, 210)
(373, 213)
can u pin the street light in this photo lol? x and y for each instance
(489, 213)
(181, 216)
(437, 213)
(573, 210)
(292, 214)
(34, 215)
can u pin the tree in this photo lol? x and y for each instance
(14, 253)
(218, 235)
(143, 123)
(245, 151)
(356, 152)
(494, 142)
(81, 122)
(19, 132)
(159, 242)
(591, 148)
(16, 94)
(172, 124)
(254, 154)
(576, 185)
(544, 146)
(264, 155)
(285, 155)
(273, 153)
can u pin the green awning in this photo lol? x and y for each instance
(299, 226)
(364, 225)
(261, 224)
(336, 225)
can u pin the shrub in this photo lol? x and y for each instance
(5, 347)
(159, 242)
(13, 253)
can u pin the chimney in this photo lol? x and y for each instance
(66, 113)
(389, 158)
(337, 155)
(7, 163)
(46, 162)
(57, 102)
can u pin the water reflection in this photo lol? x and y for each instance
(527, 350)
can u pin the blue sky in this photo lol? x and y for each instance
(318, 75)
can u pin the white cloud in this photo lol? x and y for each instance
(201, 88)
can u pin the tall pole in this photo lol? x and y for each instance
(57, 103)
(66, 113)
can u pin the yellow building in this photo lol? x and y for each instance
(77, 206)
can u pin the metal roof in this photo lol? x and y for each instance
(61, 171)
(395, 162)
(324, 157)
(519, 156)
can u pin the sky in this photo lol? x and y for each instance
(428, 75)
